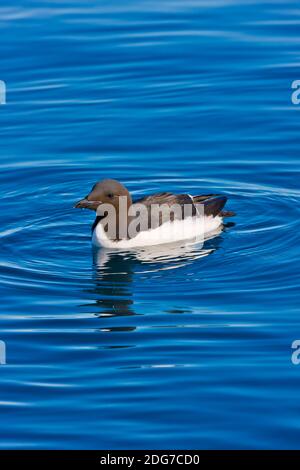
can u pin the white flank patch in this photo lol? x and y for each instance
(168, 232)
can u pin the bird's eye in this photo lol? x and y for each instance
(110, 195)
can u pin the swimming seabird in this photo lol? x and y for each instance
(197, 216)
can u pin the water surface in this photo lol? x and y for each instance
(182, 349)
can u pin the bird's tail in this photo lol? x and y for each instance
(214, 205)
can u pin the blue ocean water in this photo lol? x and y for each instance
(188, 349)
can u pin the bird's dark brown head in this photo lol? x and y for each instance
(104, 192)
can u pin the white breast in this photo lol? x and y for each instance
(169, 232)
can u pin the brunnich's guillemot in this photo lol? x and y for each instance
(159, 218)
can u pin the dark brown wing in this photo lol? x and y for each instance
(212, 205)
(168, 198)
(203, 197)
(165, 198)
(155, 220)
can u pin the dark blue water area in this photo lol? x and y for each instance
(186, 348)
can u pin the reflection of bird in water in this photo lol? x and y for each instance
(114, 269)
(170, 254)
(114, 272)
(113, 277)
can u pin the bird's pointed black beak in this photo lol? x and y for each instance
(86, 204)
